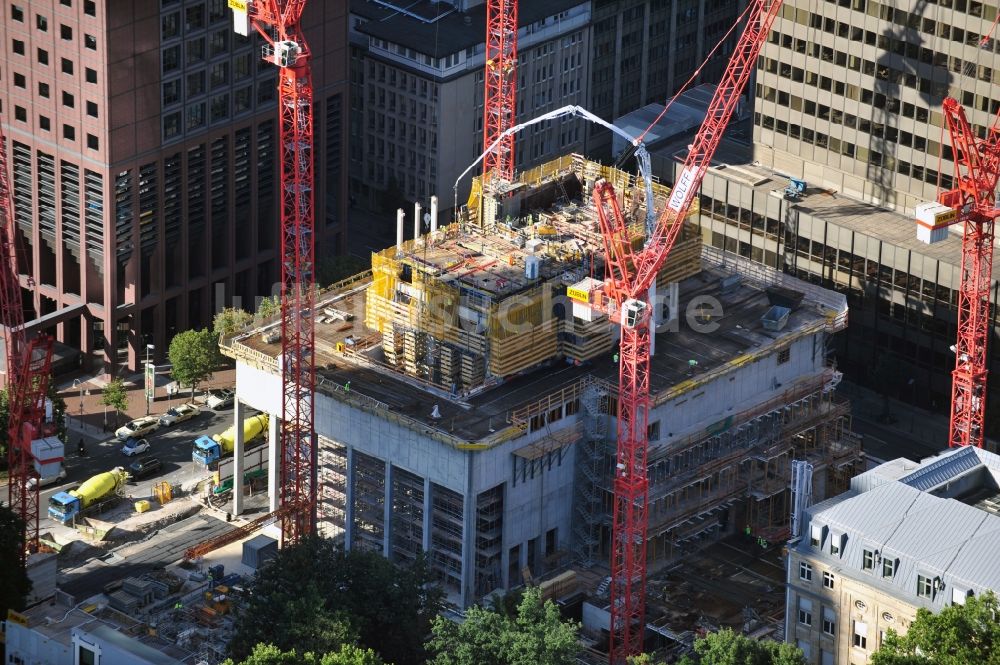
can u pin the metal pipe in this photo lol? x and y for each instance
(400, 219)
(434, 214)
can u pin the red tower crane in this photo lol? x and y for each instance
(500, 97)
(29, 359)
(630, 273)
(277, 21)
(977, 170)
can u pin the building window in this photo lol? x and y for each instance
(195, 84)
(888, 567)
(860, 634)
(18, 47)
(829, 621)
(784, 355)
(43, 56)
(20, 81)
(91, 75)
(17, 13)
(90, 41)
(805, 612)
(66, 3)
(195, 50)
(67, 66)
(42, 23)
(805, 571)
(835, 545)
(924, 586)
(220, 107)
(219, 43)
(92, 142)
(67, 99)
(194, 17)
(171, 58)
(69, 132)
(65, 32)
(43, 90)
(89, 8)
(827, 580)
(959, 596)
(171, 125)
(44, 123)
(20, 114)
(86, 656)
(170, 26)
(220, 74)
(171, 92)
(92, 109)
(868, 560)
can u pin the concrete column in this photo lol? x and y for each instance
(387, 513)
(428, 511)
(434, 214)
(239, 413)
(349, 501)
(273, 463)
(416, 220)
(468, 536)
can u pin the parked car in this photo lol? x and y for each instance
(220, 399)
(179, 414)
(146, 466)
(49, 480)
(138, 428)
(135, 447)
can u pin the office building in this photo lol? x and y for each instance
(142, 138)
(417, 100)
(643, 51)
(905, 536)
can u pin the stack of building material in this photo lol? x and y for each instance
(123, 602)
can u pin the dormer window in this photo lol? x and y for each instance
(816, 536)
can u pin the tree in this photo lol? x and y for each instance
(268, 654)
(268, 308)
(536, 636)
(116, 396)
(14, 582)
(315, 597)
(194, 355)
(957, 635)
(231, 320)
(730, 648)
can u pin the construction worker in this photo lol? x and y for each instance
(80, 448)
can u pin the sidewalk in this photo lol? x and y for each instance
(86, 415)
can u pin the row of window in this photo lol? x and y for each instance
(45, 124)
(68, 99)
(17, 12)
(194, 18)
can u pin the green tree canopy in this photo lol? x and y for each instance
(537, 635)
(231, 320)
(115, 395)
(315, 597)
(957, 635)
(194, 355)
(727, 647)
(268, 307)
(16, 585)
(268, 654)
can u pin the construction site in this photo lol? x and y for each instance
(466, 396)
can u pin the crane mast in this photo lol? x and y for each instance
(29, 360)
(977, 169)
(500, 95)
(278, 22)
(630, 273)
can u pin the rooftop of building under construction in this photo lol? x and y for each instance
(363, 323)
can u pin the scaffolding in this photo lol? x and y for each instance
(407, 516)
(489, 540)
(331, 509)
(593, 467)
(369, 504)
(446, 536)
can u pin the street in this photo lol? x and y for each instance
(171, 445)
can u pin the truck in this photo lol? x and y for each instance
(209, 450)
(48, 455)
(93, 496)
